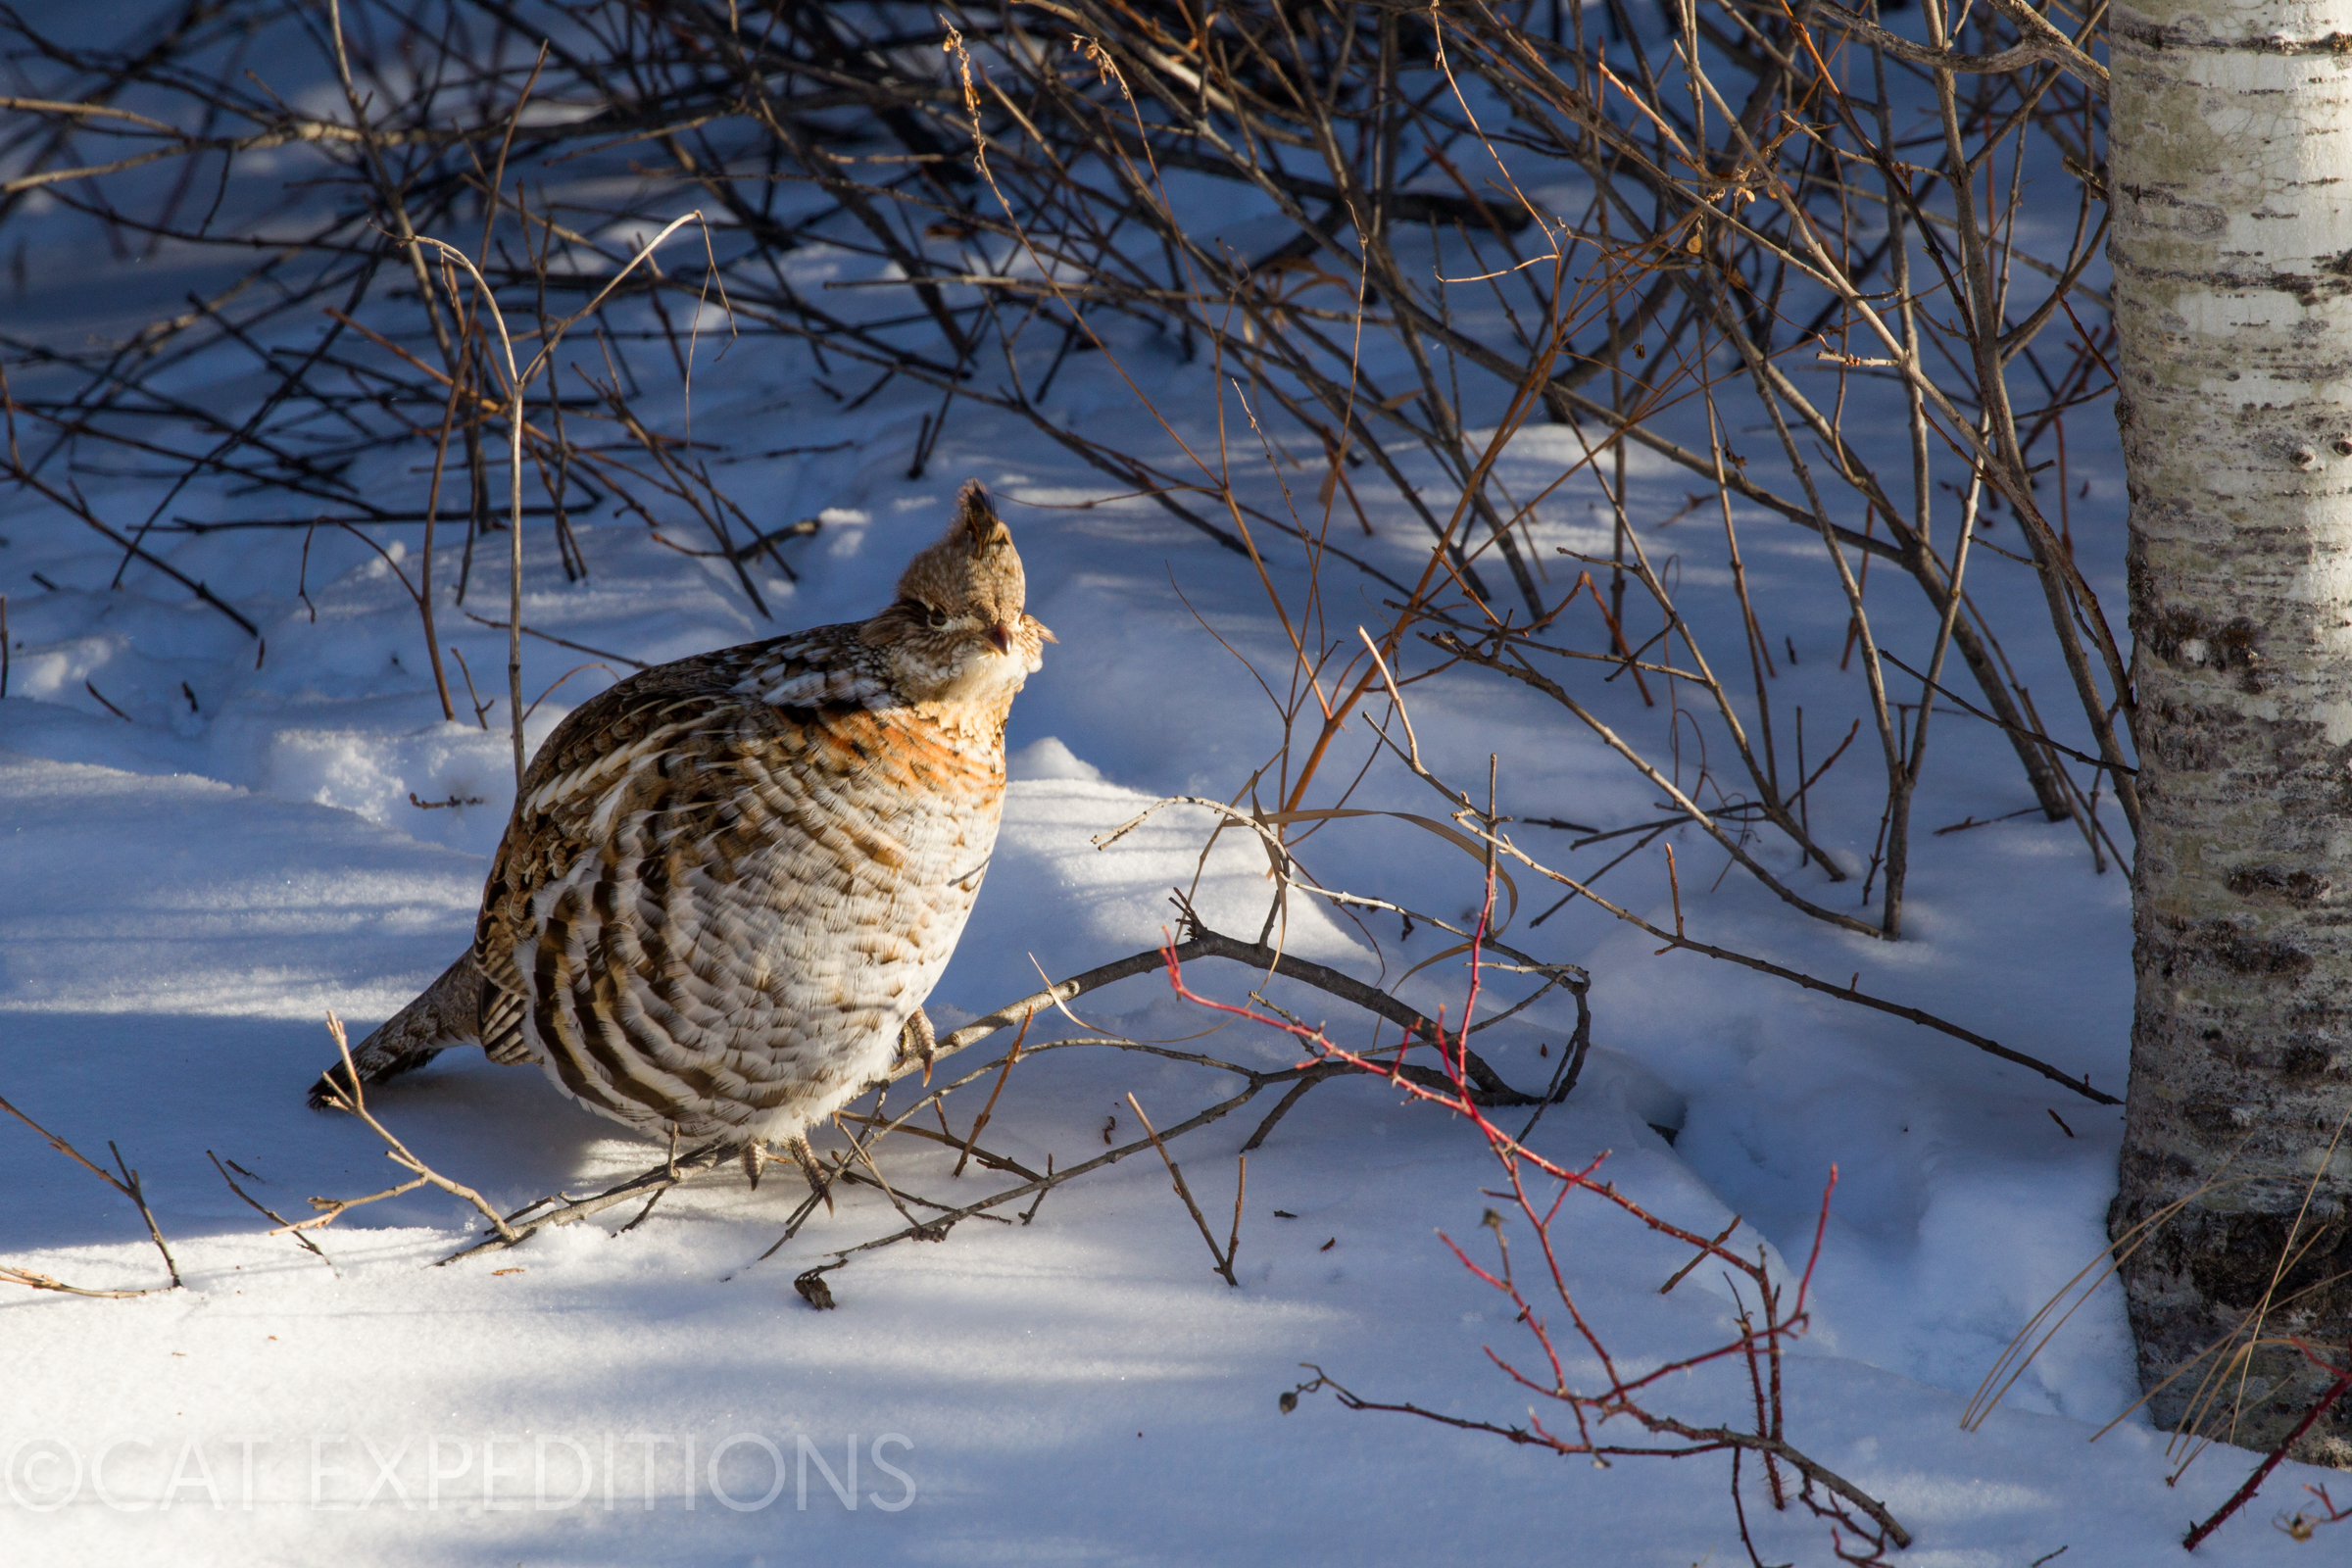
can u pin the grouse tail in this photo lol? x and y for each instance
(447, 1013)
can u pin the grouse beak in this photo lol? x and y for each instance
(1002, 635)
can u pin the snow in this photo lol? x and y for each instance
(184, 892)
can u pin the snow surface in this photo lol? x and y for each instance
(184, 895)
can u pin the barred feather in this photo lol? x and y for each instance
(730, 882)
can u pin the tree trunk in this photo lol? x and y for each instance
(2229, 152)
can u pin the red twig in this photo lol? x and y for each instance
(2271, 1461)
(1620, 1394)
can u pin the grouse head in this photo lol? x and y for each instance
(957, 629)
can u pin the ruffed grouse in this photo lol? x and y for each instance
(729, 882)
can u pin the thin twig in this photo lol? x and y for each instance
(1223, 1262)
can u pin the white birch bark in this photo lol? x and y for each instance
(2231, 174)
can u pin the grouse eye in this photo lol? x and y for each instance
(933, 617)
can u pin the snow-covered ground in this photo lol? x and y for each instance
(186, 890)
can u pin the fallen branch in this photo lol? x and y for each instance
(127, 1184)
(42, 1282)
(270, 1214)
(346, 1093)
(1488, 1089)
(1224, 1258)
